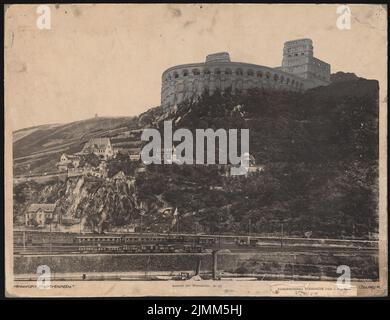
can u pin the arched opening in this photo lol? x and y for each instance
(239, 72)
(259, 74)
(228, 71)
(268, 75)
(250, 73)
(176, 75)
(276, 77)
(195, 72)
(206, 71)
(281, 79)
(185, 72)
(239, 85)
(288, 80)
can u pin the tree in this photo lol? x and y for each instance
(121, 162)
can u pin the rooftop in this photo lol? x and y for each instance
(48, 207)
(97, 143)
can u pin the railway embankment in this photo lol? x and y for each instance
(264, 264)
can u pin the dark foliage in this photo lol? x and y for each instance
(319, 150)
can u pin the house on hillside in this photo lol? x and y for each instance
(140, 170)
(68, 161)
(255, 168)
(40, 214)
(252, 167)
(120, 176)
(133, 153)
(171, 155)
(103, 170)
(166, 211)
(136, 132)
(101, 147)
(135, 157)
(84, 170)
(100, 172)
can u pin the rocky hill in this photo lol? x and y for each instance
(319, 151)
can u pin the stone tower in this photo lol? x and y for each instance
(298, 59)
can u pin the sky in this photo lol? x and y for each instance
(108, 59)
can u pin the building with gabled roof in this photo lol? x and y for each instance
(101, 147)
(119, 176)
(39, 214)
(68, 161)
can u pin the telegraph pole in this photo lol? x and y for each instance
(369, 228)
(281, 238)
(249, 231)
(147, 267)
(197, 272)
(215, 262)
(50, 238)
(24, 240)
(141, 224)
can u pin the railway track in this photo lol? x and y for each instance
(34, 242)
(72, 249)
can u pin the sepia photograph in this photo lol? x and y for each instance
(177, 150)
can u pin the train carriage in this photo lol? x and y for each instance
(144, 239)
(176, 238)
(98, 240)
(100, 249)
(192, 248)
(207, 240)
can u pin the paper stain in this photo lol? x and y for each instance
(175, 12)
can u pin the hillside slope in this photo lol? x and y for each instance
(38, 149)
(320, 156)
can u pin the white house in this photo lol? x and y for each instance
(68, 161)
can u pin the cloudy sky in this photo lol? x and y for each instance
(108, 59)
